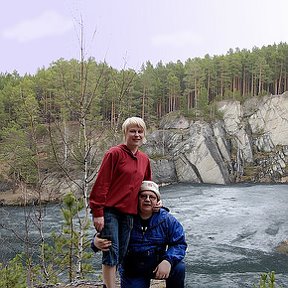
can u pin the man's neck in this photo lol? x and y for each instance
(145, 216)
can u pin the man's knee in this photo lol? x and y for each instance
(179, 269)
(177, 276)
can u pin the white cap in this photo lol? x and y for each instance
(150, 186)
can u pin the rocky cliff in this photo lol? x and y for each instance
(249, 144)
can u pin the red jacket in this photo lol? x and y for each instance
(118, 181)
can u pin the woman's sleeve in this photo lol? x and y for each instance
(148, 173)
(101, 186)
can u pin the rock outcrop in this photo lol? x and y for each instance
(249, 144)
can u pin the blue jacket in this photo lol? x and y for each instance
(164, 235)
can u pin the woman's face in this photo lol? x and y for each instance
(134, 136)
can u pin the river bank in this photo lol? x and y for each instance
(21, 197)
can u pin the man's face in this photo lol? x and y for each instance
(147, 201)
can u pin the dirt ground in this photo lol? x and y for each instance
(154, 284)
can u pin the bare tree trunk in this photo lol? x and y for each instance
(143, 103)
(280, 80)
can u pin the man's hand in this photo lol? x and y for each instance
(98, 223)
(101, 243)
(162, 271)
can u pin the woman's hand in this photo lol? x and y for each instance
(158, 205)
(98, 223)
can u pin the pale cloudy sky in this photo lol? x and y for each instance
(127, 33)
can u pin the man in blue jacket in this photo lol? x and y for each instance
(157, 245)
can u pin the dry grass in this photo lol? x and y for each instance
(283, 247)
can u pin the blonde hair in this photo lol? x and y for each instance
(131, 122)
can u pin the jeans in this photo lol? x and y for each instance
(176, 278)
(117, 228)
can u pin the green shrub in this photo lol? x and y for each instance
(267, 280)
(13, 274)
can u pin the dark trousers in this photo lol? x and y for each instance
(176, 278)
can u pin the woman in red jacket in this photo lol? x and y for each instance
(114, 196)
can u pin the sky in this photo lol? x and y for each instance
(128, 33)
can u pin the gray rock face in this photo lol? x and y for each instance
(271, 118)
(165, 170)
(195, 154)
(198, 159)
(251, 137)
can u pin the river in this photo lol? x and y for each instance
(232, 231)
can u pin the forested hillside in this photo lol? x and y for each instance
(71, 103)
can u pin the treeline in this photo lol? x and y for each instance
(154, 91)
